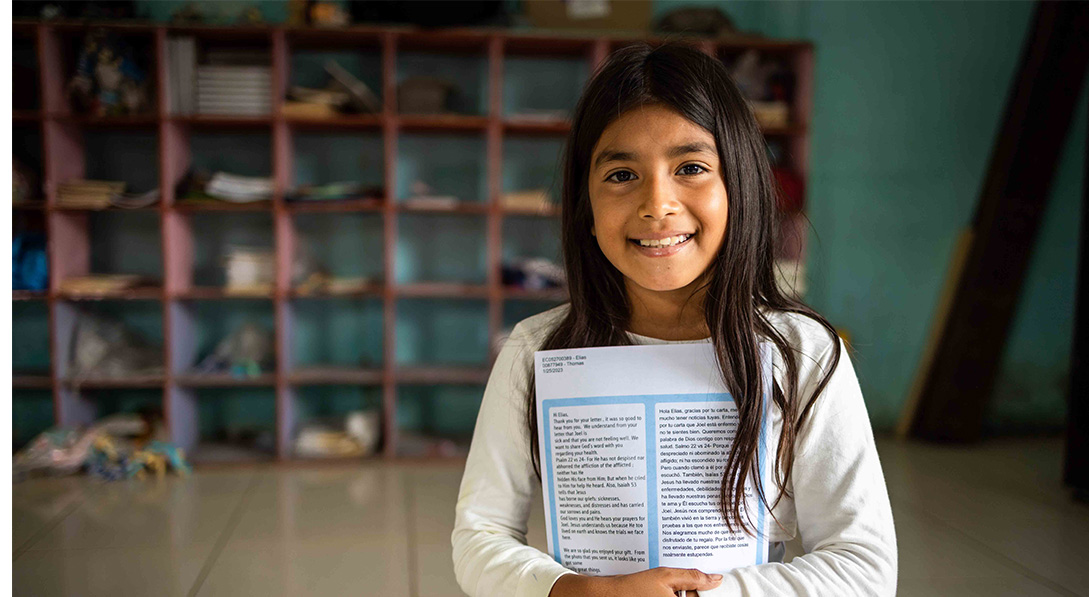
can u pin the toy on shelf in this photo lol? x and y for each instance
(107, 81)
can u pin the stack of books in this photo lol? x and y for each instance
(88, 194)
(102, 194)
(234, 83)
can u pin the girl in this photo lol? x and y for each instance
(669, 208)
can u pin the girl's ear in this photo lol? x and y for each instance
(593, 231)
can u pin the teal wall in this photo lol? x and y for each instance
(908, 97)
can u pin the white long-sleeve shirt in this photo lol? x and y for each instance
(840, 506)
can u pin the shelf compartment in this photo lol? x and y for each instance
(531, 165)
(101, 242)
(128, 156)
(337, 157)
(109, 318)
(451, 165)
(65, 42)
(436, 421)
(26, 90)
(466, 67)
(446, 248)
(346, 247)
(198, 328)
(246, 153)
(30, 358)
(361, 57)
(232, 425)
(31, 414)
(336, 336)
(26, 147)
(211, 236)
(441, 333)
(528, 237)
(535, 85)
(328, 407)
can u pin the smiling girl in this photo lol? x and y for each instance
(669, 211)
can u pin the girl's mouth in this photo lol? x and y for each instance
(662, 247)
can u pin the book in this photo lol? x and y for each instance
(633, 445)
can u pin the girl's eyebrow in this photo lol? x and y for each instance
(609, 155)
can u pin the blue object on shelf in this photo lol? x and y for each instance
(29, 267)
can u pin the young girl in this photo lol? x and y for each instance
(669, 211)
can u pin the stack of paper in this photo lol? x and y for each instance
(236, 83)
(239, 189)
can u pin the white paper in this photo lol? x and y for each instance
(634, 442)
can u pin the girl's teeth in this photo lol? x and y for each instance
(665, 242)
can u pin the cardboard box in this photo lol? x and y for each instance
(632, 16)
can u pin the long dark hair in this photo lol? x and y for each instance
(741, 289)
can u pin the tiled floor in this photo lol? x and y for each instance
(987, 520)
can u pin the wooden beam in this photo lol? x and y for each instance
(1038, 114)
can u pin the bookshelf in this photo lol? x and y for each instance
(384, 346)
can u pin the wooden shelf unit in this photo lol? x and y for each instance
(68, 243)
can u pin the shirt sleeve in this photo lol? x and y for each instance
(844, 515)
(498, 489)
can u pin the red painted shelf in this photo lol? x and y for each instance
(198, 293)
(442, 375)
(191, 205)
(441, 290)
(353, 121)
(70, 231)
(128, 294)
(29, 295)
(337, 206)
(116, 383)
(328, 375)
(520, 294)
(224, 380)
(441, 122)
(31, 382)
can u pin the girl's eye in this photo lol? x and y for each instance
(692, 169)
(621, 176)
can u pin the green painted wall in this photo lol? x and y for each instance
(907, 104)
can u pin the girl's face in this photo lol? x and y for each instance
(658, 199)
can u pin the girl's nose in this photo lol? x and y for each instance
(660, 199)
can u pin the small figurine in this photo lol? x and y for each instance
(108, 77)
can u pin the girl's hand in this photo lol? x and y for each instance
(659, 582)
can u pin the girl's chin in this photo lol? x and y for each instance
(656, 284)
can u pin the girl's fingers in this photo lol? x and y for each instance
(690, 579)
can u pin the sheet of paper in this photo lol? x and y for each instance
(634, 442)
